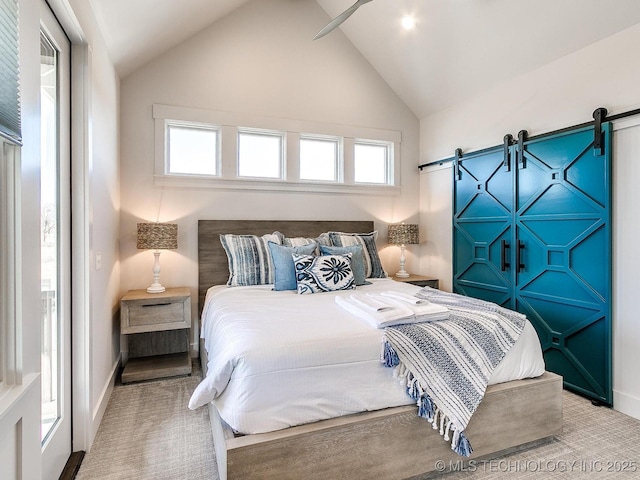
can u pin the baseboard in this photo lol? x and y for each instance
(627, 404)
(73, 466)
(101, 405)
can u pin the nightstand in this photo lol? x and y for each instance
(419, 280)
(157, 327)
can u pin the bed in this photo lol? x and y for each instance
(351, 437)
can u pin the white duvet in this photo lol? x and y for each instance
(279, 359)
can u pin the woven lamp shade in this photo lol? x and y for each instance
(404, 234)
(157, 236)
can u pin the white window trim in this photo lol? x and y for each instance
(230, 122)
(10, 279)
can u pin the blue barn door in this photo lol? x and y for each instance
(482, 227)
(563, 255)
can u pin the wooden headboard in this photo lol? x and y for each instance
(213, 266)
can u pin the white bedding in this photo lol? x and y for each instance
(279, 359)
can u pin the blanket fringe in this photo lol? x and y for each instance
(426, 407)
(389, 356)
(462, 446)
(413, 388)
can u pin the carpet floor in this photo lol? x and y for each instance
(149, 433)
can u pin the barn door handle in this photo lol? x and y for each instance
(519, 264)
(503, 256)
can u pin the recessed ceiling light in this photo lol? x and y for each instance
(408, 22)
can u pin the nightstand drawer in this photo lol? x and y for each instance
(157, 331)
(160, 314)
(433, 283)
(143, 312)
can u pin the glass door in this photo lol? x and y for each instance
(55, 249)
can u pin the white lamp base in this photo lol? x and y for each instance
(155, 287)
(402, 273)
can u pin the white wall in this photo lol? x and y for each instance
(436, 212)
(103, 205)
(626, 334)
(557, 95)
(258, 60)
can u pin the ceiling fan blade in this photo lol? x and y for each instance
(336, 22)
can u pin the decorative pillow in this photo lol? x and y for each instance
(327, 273)
(285, 269)
(372, 264)
(322, 239)
(357, 260)
(249, 258)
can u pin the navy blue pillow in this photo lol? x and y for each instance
(357, 260)
(285, 269)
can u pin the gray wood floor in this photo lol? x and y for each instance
(148, 433)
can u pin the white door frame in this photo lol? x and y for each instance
(83, 423)
(56, 446)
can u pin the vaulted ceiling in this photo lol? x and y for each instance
(458, 49)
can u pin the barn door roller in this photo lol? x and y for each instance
(599, 116)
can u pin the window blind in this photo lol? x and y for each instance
(9, 72)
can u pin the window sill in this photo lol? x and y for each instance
(11, 395)
(275, 185)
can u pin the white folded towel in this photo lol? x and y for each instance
(424, 310)
(404, 297)
(394, 311)
(430, 313)
(372, 303)
(378, 319)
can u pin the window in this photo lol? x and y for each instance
(319, 159)
(192, 149)
(371, 162)
(260, 154)
(210, 149)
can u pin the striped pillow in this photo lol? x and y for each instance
(372, 264)
(250, 261)
(322, 239)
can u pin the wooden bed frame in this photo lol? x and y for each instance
(388, 444)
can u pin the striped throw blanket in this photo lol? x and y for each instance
(447, 364)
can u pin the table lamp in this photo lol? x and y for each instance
(403, 234)
(157, 236)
